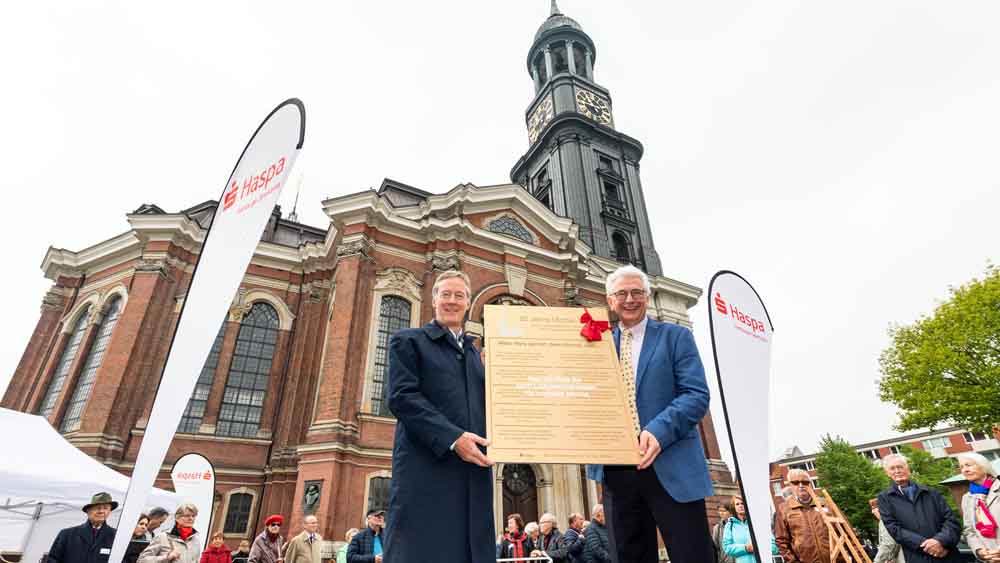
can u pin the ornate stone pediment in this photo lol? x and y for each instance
(399, 281)
(508, 224)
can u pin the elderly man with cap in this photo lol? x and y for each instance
(268, 546)
(366, 545)
(91, 541)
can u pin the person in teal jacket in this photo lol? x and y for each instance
(736, 536)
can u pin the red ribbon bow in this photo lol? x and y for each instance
(592, 329)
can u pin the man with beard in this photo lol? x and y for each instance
(441, 479)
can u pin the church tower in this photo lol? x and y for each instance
(578, 164)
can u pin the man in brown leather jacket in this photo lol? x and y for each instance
(799, 529)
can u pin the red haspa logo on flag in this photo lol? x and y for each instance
(720, 304)
(208, 476)
(251, 189)
(230, 198)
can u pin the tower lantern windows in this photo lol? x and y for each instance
(540, 68)
(560, 61)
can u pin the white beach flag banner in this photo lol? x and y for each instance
(194, 481)
(243, 211)
(741, 343)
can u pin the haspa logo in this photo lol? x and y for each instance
(720, 304)
(752, 323)
(208, 476)
(193, 475)
(239, 190)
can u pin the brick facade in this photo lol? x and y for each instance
(316, 424)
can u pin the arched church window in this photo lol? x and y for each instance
(64, 365)
(559, 61)
(238, 513)
(195, 410)
(93, 360)
(246, 386)
(394, 315)
(622, 252)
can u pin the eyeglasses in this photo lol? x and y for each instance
(187, 516)
(274, 525)
(636, 294)
(801, 482)
(449, 295)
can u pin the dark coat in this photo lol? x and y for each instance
(553, 546)
(910, 523)
(362, 547)
(573, 543)
(597, 548)
(78, 545)
(507, 547)
(437, 391)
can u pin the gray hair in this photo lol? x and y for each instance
(447, 275)
(547, 516)
(980, 461)
(895, 457)
(186, 508)
(597, 508)
(158, 512)
(530, 527)
(625, 271)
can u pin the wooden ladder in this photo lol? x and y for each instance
(844, 545)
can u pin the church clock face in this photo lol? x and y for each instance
(593, 106)
(540, 118)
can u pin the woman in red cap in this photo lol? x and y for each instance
(267, 547)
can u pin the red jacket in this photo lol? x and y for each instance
(216, 555)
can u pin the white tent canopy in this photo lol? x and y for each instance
(44, 483)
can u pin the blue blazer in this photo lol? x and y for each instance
(672, 397)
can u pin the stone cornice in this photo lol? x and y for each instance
(180, 230)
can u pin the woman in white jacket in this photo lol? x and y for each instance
(182, 544)
(981, 506)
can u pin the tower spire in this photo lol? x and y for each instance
(555, 9)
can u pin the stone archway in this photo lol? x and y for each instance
(519, 492)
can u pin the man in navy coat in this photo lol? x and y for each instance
(667, 489)
(441, 495)
(89, 542)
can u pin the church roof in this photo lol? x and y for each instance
(556, 20)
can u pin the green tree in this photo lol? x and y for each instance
(851, 479)
(930, 471)
(945, 368)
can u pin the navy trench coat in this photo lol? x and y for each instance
(437, 392)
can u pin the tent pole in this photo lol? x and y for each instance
(31, 529)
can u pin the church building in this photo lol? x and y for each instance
(290, 405)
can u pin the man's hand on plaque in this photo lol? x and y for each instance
(649, 448)
(466, 447)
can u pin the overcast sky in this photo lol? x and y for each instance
(842, 156)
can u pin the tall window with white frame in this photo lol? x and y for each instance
(246, 386)
(195, 410)
(65, 363)
(238, 513)
(378, 493)
(394, 314)
(85, 383)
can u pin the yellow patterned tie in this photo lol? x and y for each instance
(628, 374)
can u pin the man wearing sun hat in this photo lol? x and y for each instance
(91, 541)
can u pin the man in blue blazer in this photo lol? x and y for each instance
(667, 489)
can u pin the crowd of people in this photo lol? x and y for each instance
(915, 522)
(585, 541)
